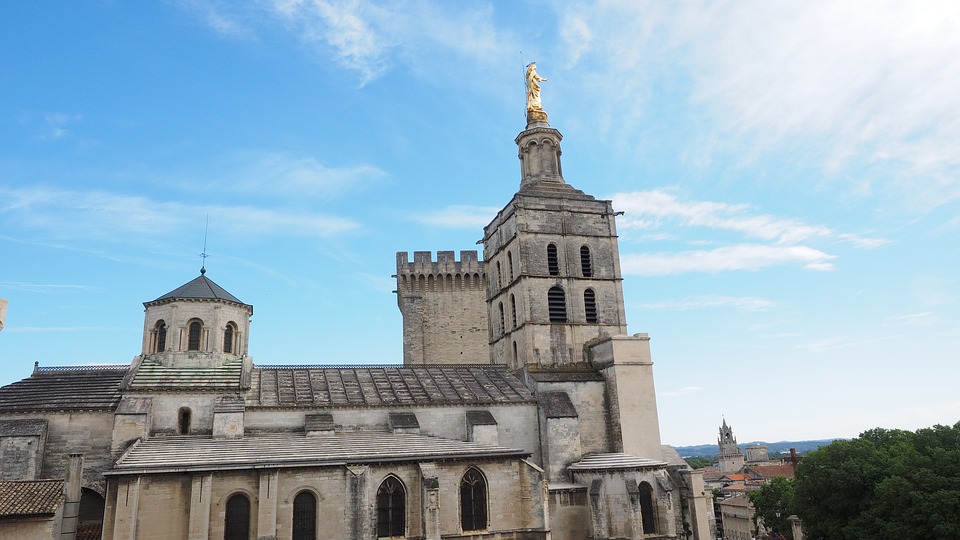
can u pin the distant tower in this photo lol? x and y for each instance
(3, 312)
(730, 457)
(442, 303)
(553, 265)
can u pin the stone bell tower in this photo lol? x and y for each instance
(552, 262)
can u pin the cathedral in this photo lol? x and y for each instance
(522, 409)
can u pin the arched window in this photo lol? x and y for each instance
(557, 304)
(391, 509)
(502, 325)
(305, 516)
(553, 263)
(647, 515)
(499, 277)
(228, 336)
(161, 329)
(237, 521)
(590, 305)
(193, 335)
(586, 266)
(473, 501)
(514, 354)
(510, 265)
(513, 311)
(183, 421)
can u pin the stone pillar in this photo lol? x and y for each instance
(71, 497)
(699, 504)
(796, 527)
(267, 507)
(430, 495)
(358, 520)
(200, 506)
(128, 505)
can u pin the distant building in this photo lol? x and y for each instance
(756, 453)
(730, 456)
(3, 312)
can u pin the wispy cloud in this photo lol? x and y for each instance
(43, 287)
(458, 217)
(749, 303)
(727, 258)
(42, 329)
(685, 391)
(99, 214)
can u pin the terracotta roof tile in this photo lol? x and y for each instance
(30, 498)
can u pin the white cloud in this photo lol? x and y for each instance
(685, 391)
(749, 303)
(103, 215)
(727, 258)
(43, 287)
(458, 217)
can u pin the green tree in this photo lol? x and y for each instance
(698, 462)
(773, 503)
(883, 485)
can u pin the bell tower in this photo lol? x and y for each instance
(552, 262)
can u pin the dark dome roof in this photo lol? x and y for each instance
(201, 288)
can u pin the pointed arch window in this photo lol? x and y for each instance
(305, 516)
(647, 515)
(193, 335)
(586, 264)
(553, 262)
(513, 311)
(499, 277)
(510, 265)
(473, 501)
(557, 305)
(391, 509)
(229, 335)
(590, 305)
(161, 329)
(237, 520)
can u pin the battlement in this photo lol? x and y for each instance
(445, 263)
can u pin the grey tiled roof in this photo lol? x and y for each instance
(614, 461)
(193, 453)
(152, 375)
(30, 498)
(557, 405)
(384, 385)
(566, 376)
(201, 288)
(64, 388)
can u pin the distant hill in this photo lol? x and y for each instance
(710, 450)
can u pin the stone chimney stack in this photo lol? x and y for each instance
(71, 497)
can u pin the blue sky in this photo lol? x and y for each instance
(788, 173)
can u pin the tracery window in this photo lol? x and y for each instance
(305, 516)
(193, 335)
(473, 501)
(590, 305)
(391, 509)
(553, 263)
(237, 520)
(557, 305)
(586, 265)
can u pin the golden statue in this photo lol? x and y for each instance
(533, 88)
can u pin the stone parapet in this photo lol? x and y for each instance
(446, 262)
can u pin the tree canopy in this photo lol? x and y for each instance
(883, 485)
(773, 504)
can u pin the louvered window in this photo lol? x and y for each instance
(557, 303)
(590, 305)
(502, 325)
(391, 512)
(305, 516)
(513, 311)
(473, 501)
(586, 266)
(553, 263)
(499, 277)
(510, 265)
(193, 337)
(237, 520)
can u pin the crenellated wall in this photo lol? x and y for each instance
(442, 303)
